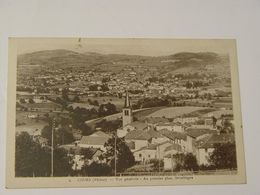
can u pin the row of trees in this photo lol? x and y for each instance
(30, 100)
(102, 87)
(33, 160)
(223, 157)
(195, 84)
(152, 102)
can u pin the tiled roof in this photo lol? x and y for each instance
(169, 124)
(89, 152)
(149, 147)
(88, 140)
(196, 132)
(138, 125)
(154, 134)
(97, 138)
(138, 135)
(155, 120)
(100, 134)
(143, 134)
(173, 135)
(131, 145)
(211, 140)
(71, 148)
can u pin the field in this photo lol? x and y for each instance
(140, 115)
(218, 113)
(43, 107)
(28, 124)
(118, 102)
(199, 113)
(172, 112)
(82, 105)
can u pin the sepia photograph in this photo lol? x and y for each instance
(123, 112)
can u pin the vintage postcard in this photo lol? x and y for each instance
(91, 112)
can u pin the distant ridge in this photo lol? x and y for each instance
(62, 57)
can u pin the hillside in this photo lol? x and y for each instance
(89, 59)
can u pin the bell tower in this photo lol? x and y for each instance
(127, 111)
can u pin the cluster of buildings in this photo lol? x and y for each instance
(152, 138)
(158, 138)
(139, 78)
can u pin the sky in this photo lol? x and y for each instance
(131, 46)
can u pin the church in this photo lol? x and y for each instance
(127, 117)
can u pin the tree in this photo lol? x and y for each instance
(179, 159)
(30, 158)
(108, 126)
(76, 99)
(93, 87)
(31, 101)
(124, 156)
(46, 133)
(228, 127)
(62, 164)
(104, 87)
(62, 135)
(64, 94)
(47, 115)
(22, 101)
(190, 162)
(107, 109)
(214, 121)
(33, 160)
(224, 156)
(188, 85)
(157, 164)
(85, 129)
(105, 79)
(80, 115)
(97, 169)
(95, 103)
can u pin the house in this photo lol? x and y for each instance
(173, 149)
(184, 120)
(171, 156)
(186, 141)
(161, 148)
(171, 126)
(153, 121)
(36, 133)
(175, 137)
(206, 145)
(139, 138)
(92, 155)
(77, 134)
(157, 137)
(82, 156)
(136, 125)
(32, 116)
(95, 140)
(41, 140)
(145, 153)
(198, 133)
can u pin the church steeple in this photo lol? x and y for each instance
(127, 111)
(127, 101)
